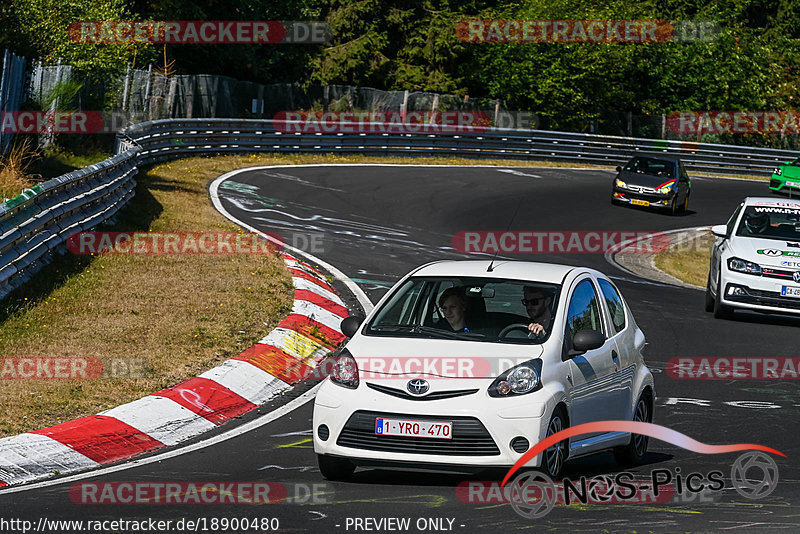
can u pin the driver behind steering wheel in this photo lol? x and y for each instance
(537, 304)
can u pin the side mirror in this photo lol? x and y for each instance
(586, 340)
(350, 325)
(720, 230)
(619, 169)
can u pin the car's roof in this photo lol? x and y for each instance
(667, 157)
(516, 270)
(772, 201)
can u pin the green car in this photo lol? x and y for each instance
(786, 177)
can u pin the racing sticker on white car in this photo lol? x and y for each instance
(776, 252)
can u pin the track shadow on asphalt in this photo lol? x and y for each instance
(589, 466)
(658, 211)
(741, 316)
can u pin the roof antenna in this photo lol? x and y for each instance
(489, 269)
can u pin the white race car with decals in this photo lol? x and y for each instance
(755, 260)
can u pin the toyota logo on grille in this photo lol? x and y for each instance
(796, 276)
(418, 386)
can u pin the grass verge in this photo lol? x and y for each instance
(688, 261)
(174, 316)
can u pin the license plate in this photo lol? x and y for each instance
(637, 202)
(792, 184)
(787, 291)
(417, 429)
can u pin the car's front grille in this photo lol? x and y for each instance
(436, 395)
(470, 437)
(769, 272)
(765, 298)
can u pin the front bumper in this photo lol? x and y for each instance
(655, 199)
(757, 293)
(483, 427)
(778, 183)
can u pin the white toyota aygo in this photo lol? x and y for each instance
(468, 364)
(755, 259)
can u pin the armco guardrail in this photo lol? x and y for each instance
(166, 139)
(34, 225)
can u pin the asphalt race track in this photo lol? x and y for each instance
(375, 223)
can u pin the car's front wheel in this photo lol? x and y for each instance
(334, 468)
(555, 456)
(673, 207)
(709, 295)
(634, 452)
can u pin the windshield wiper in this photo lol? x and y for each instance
(429, 330)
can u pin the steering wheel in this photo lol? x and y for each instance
(515, 326)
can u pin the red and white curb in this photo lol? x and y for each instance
(170, 416)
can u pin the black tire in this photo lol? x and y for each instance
(709, 295)
(673, 207)
(554, 457)
(721, 311)
(685, 205)
(633, 452)
(334, 468)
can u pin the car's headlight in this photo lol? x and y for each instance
(518, 380)
(345, 370)
(742, 266)
(777, 170)
(621, 184)
(666, 188)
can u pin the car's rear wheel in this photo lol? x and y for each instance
(634, 452)
(554, 457)
(709, 295)
(334, 468)
(721, 311)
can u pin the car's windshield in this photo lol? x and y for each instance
(781, 223)
(651, 166)
(472, 309)
(795, 162)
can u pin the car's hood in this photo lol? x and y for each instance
(396, 357)
(790, 171)
(641, 179)
(770, 252)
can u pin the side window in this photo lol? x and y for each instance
(614, 303)
(732, 221)
(584, 310)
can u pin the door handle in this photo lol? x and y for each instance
(615, 356)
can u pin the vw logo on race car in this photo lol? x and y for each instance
(796, 276)
(418, 386)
